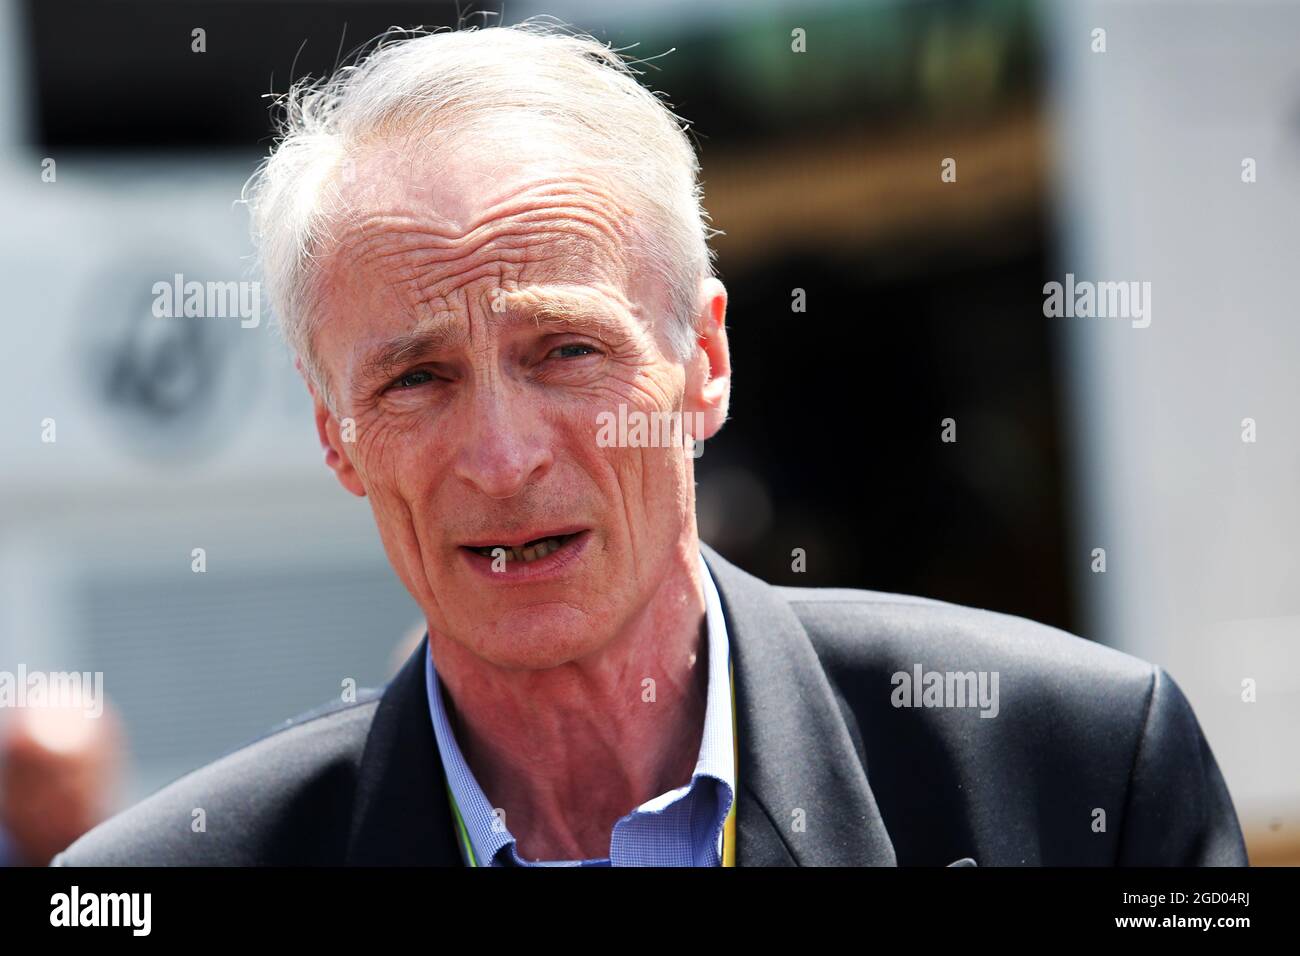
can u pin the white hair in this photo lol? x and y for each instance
(444, 82)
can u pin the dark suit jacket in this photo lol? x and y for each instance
(831, 772)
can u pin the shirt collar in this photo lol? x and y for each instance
(488, 833)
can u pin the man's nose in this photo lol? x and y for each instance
(503, 446)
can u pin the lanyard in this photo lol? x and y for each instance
(728, 827)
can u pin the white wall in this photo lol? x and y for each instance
(1202, 531)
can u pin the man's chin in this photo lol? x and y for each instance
(538, 636)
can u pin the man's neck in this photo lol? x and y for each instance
(565, 752)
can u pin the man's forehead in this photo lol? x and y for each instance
(408, 282)
(457, 180)
(430, 234)
(597, 307)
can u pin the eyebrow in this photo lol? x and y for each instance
(557, 308)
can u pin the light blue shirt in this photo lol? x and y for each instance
(682, 827)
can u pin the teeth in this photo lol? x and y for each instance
(539, 550)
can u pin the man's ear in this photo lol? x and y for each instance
(708, 373)
(334, 439)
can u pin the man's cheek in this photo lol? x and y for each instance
(375, 448)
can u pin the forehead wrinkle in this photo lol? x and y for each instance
(419, 275)
(556, 200)
(417, 249)
(570, 306)
(590, 214)
(422, 278)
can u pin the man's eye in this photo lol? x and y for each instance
(569, 349)
(412, 379)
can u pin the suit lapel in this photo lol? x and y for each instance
(401, 816)
(795, 750)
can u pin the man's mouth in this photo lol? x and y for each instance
(528, 551)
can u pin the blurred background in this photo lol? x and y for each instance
(1118, 156)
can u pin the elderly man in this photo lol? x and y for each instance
(486, 246)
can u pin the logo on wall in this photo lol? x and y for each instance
(173, 386)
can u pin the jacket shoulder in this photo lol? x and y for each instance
(853, 628)
(1079, 726)
(282, 799)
